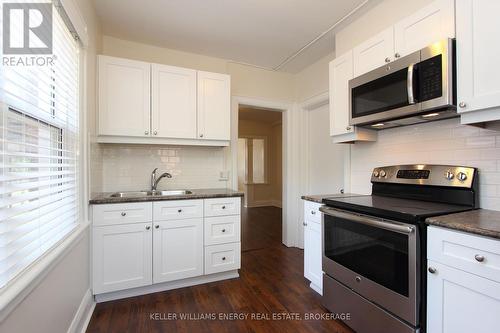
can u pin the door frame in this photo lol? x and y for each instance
(289, 229)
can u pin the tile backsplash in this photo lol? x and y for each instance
(441, 142)
(128, 168)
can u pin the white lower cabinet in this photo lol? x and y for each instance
(312, 246)
(463, 284)
(145, 244)
(122, 256)
(177, 249)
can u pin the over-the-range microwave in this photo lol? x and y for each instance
(416, 88)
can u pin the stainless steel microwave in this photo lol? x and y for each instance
(416, 88)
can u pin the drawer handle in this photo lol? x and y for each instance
(223, 230)
(313, 212)
(432, 270)
(123, 213)
(148, 227)
(223, 258)
(479, 257)
(223, 207)
(179, 211)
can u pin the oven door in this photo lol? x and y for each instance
(378, 259)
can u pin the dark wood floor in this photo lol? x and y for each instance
(271, 283)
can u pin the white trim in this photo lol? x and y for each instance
(166, 286)
(290, 220)
(75, 16)
(316, 288)
(264, 203)
(316, 101)
(21, 286)
(82, 316)
(160, 141)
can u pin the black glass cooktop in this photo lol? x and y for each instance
(394, 208)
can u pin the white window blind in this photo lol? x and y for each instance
(39, 152)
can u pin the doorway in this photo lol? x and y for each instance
(260, 163)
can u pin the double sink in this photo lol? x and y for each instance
(135, 194)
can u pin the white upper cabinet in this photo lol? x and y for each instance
(374, 52)
(426, 26)
(478, 87)
(173, 99)
(124, 97)
(341, 71)
(214, 106)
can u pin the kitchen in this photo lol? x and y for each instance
(137, 242)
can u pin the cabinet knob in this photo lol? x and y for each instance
(348, 128)
(358, 279)
(387, 59)
(313, 212)
(148, 227)
(223, 207)
(146, 132)
(342, 191)
(479, 257)
(397, 55)
(223, 230)
(155, 132)
(201, 135)
(223, 258)
(123, 213)
(462, 104)
(304, 224)
(179, 211)
(157, 226)
(432, 270)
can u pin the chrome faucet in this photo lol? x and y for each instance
(155, 181)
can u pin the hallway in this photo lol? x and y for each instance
(271, 283)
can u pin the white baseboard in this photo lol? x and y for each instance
(264, 203)
(166, 286)
(83, 314)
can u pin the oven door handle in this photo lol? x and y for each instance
(391, 226)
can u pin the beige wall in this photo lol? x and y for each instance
(312, 80)
(269, 193)
(51, 306)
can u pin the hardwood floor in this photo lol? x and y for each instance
(271, 284)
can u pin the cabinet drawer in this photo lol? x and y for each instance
(311, 211)
(222, 229)
(177, 209)
(222, 206)
(122, 213)
(221, 258)
(474, 254)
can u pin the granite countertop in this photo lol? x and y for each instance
(104, 197)
(318, 198)
(482, 222)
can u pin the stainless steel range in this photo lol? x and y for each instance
(374, 246)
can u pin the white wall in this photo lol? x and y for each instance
(441, 142)
(52, 304)
(313, 80)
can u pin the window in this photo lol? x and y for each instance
(252, 153)
(39, 153)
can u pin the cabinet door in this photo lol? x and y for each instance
(340, 74)
(214, 106)
(177, 249)
(312, 253)
(124, 96)
(426, 26)
(122, 257)
(460, 302)
(478, 49)
(173, 96)
(374, 52)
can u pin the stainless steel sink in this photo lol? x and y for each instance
(134, 194)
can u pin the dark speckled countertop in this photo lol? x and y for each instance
(319, 197)
(104, 197)
(482, 222)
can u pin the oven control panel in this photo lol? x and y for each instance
(425, 174)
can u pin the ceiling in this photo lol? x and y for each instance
(259, 32)
(259, 115)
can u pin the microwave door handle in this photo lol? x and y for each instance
(409, 84)
(391, 226)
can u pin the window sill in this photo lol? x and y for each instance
(16, 290)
